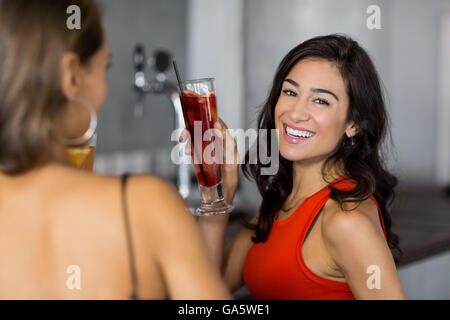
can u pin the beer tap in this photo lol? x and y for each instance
(160, 61)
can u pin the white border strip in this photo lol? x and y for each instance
(443, 110)
(215, 50)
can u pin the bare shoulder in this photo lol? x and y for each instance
(356, 243)
(146, 196)
(159, 208)
(150, 200)
(140, 188)
(354, 217)
(170, 231)
(151, 193)
(352, 236)
(63, 188)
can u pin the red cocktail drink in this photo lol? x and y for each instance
(202, 111)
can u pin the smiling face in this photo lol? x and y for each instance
(311, 111)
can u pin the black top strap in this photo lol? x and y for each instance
(134, 281)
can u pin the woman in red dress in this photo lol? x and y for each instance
(323, 230)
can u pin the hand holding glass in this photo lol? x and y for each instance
(200, 109)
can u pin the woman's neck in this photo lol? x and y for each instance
(308, 178)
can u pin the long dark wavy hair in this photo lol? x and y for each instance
(363, 162)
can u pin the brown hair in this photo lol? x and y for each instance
(33, 39)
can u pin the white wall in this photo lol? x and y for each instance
(156, 24)
(443, 112)
(428, 278)
(214, 49)
(414, 63)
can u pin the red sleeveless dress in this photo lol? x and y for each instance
(275, 270)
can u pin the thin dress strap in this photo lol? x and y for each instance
(134, 281)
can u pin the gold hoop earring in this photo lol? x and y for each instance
(89, 133)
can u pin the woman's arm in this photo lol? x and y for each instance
(229, 261)
(359, 249)
(177, 245)
(234, 258)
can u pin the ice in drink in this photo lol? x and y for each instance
(202, 108)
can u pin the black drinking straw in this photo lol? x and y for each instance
(185, 114)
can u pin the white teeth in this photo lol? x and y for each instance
(298, 133)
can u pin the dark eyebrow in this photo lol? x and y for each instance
(318, 90)
(295, 84)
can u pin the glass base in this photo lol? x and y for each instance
(213, 202)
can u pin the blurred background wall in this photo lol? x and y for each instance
(241, 42)
(139, 143)
(405, 51)
(243, 47)
(156, 24)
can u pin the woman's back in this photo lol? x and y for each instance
(65, 233)
(57, 217)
